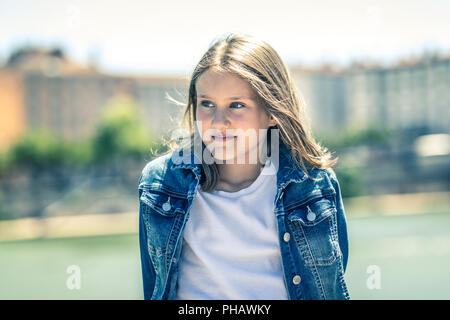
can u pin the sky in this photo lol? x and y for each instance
(170, 36)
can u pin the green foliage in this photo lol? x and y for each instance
(80, 152)
(349, 169)
(121, 132)
(357, 136)
(38, 149)
(4, 162)
(42, 150)
(1, 206)
(350, 180)
(4, 213)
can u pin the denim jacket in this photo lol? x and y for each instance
(312, 228)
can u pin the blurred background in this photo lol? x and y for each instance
(85, 90)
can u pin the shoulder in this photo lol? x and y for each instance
(332, 177)
(323, 179)
(155, 169)
(161, 172)
(318, 173)
(331, 173)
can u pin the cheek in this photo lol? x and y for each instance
(203, 115)
(204, 122)
(247, 121)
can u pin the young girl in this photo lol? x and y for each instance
(249, 207)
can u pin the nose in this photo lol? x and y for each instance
(220, 120)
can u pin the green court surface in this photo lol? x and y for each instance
(411, 253)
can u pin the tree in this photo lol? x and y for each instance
(39, 150)
(121, 132)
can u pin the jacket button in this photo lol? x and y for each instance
(311, 215)
(296, 280)
(286, 237)
(166, 206)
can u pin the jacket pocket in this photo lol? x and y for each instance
(314, 228)
(163, 203)
(162, 214)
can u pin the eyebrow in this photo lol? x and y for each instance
(232, 98)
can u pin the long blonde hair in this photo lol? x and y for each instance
(258, 63)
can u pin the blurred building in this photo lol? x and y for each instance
(412, 98)
(410, 94)
(44, 89)
(324, 91)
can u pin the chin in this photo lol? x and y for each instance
(232, 157)
(223, 156)
(231, 154)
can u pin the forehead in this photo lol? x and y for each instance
(221, 83)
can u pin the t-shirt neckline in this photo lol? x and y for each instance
(265, 172)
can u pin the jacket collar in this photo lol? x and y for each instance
(287, 168)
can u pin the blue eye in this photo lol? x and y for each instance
(243, 106)
(205, 104)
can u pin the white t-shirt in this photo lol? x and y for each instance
(230, 245)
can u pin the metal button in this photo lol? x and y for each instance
(296, 280)
(311, 215)
(286, 237)
(166, 206)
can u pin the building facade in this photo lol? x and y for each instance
(404, 96)
(41, 90)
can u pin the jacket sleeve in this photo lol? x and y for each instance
(341, 219)
(148, 273)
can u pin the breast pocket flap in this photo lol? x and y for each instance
(312, 212)
(163, 203)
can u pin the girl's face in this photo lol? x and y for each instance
(227, 106)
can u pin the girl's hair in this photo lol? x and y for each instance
(259, 64)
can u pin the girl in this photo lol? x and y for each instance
(249, 207)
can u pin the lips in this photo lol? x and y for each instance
(223, 138)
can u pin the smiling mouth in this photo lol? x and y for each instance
(221, 138)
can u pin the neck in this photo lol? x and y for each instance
(233, 177)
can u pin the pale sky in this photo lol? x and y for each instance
(170, 36)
